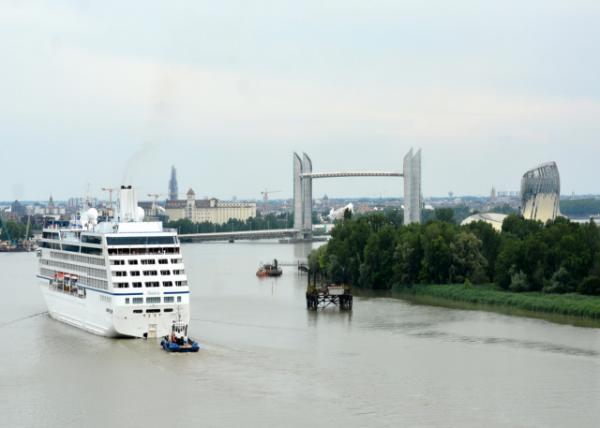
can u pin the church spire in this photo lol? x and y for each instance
(173, 187)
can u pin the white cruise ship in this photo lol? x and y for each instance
(121, 277)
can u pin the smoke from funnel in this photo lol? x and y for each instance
(156, 128)
(18, 190)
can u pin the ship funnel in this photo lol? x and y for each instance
(128, 205)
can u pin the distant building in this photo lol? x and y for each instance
(507, 194)
(173, 186)
(209, 210)
(76, 204)
(540, 193)
(51, 208)
(340, 212)
(18, 209)
(540, 197)
(493, 219)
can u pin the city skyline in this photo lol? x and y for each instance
(97, 192)
(92, 94)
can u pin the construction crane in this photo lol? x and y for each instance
(155, 196)
(28, 227)
(110, 191)
(265, 194)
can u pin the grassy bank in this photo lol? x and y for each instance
(568, 307)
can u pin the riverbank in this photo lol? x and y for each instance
(563, 308)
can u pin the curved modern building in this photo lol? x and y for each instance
(540, 193)
(494, 219)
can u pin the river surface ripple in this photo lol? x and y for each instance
(267, 361)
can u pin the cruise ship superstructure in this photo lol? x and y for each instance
(120, 277)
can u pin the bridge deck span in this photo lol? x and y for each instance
(248, 234)
(351, 174)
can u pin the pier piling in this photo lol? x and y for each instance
(321, 297)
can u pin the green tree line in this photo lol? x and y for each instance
(580, 207)
(11, 230)
(378, 252)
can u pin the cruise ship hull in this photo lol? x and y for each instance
(96, 316)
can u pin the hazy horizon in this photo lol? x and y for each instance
(111, 93)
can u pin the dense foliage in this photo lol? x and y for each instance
(580, 207)
(11, 230)
(270, 221)
(378, 252)
(458, 213)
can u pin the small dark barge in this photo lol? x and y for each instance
(269, 270)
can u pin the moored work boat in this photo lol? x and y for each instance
(267, 270)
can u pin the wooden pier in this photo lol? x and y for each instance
(302, 265)
(320, 296)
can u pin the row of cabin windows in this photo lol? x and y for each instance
(151, 284)
(91, 239)
(90, 282)
(72, 248)
(149, 272)
(142, 251)
(101, 273)
(141, 240)
(152, 300)
(152, 311)
(77, 258)
(145, 262)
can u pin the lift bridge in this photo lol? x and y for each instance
(242, 235)
(303, 201)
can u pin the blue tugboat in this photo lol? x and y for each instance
(178, 340)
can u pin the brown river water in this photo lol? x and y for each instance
(268, 362)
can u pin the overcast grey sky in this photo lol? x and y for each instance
(107, 92)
